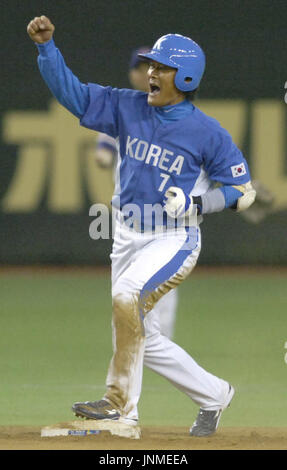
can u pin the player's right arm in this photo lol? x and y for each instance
(96, 106)
(64, 85)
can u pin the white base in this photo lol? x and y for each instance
(90, 426)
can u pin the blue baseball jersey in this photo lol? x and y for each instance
(190, 153)
(157, 147)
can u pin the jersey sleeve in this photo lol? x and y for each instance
(63, 84)
(223, 161)
(102, 112)
(95, 105)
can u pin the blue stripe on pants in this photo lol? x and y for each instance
(172, 267)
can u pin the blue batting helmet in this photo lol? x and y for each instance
(183, 54)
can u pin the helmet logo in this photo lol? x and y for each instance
(176, 59)
(158, 43)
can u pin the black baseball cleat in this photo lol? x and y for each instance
(95, 410)
(207, 420)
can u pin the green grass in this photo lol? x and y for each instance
(55, 347)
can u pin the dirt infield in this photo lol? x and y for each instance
(153, 438)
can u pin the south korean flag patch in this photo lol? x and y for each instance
(238, 170)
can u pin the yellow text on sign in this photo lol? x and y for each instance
(56, 155)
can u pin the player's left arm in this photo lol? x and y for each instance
(180, 204)
(226, 165)
(239, 197)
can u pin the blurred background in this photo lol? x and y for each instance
(232, 320)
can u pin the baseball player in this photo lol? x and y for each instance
(106, 157)
(170, 154)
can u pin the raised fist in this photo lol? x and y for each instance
(40, 29)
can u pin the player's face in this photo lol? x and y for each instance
(162, 90)
(138, 77)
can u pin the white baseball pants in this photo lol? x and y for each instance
(146, 266)
(166, 311)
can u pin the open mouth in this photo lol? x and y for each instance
(154, 89)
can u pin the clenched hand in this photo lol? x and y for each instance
(40, 29)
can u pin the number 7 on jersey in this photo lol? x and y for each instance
(164, 181)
